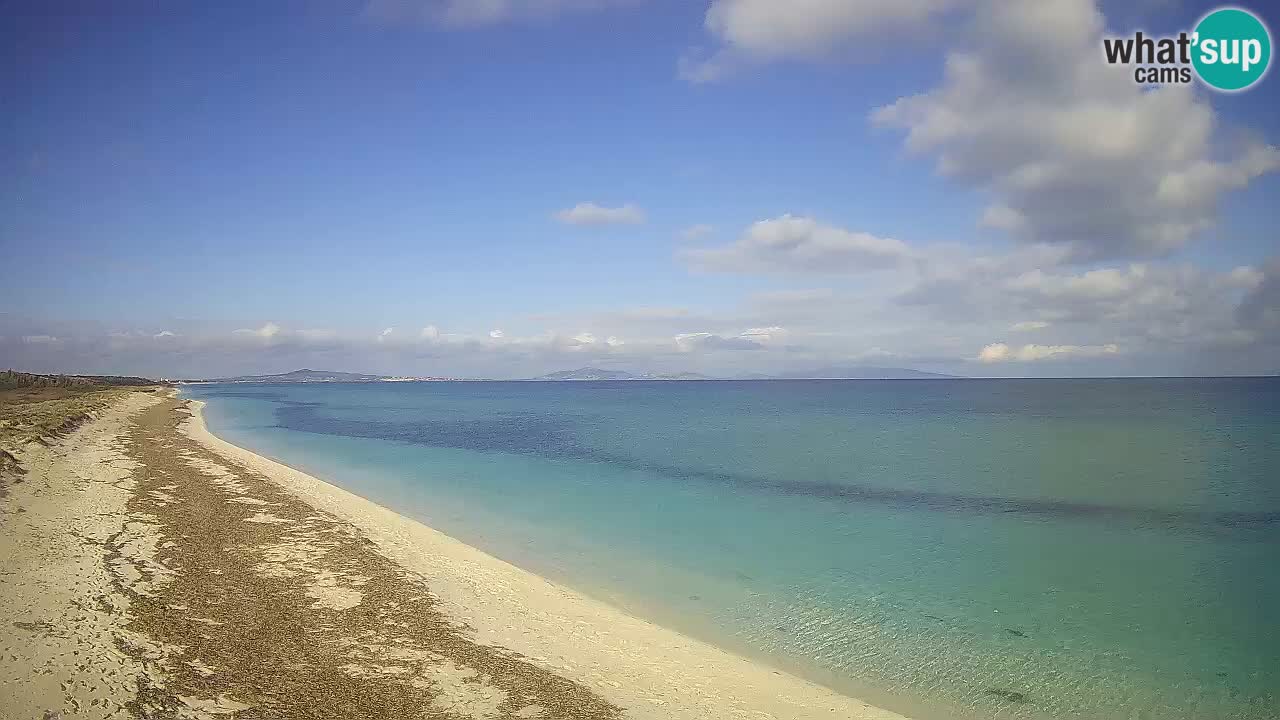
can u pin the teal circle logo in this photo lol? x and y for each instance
(1231, 49)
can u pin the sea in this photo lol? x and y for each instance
(1100, 549)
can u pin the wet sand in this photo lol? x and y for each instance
(154, 570)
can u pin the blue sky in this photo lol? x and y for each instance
(946, 184)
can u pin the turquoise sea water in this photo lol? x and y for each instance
(986, 548)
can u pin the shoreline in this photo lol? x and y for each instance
(566, 632)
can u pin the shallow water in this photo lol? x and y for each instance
(1007, 548)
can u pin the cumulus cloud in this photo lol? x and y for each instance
(475, 13)
(1071, 150)
(589, 213)
(756, 30)
(1165, 301)
(1001, 352)
(497, 334)
(1259, 311)
(1163, 306)
(800, 244)
(756, 338)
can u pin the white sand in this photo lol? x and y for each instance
(649, 670)
(62, 611)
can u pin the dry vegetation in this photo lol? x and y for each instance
(36, 407)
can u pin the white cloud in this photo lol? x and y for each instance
(1028, 326)
(266, 332)
(1071, 150)
(711, 342)
(688, 341)
(766, 335)
(164, 334)
(754, 30)
(584, 341)
(39, 339)
(1246, 277)
(1259, 310)
(497, 334)
(385, 335)
(588, 213)
(1001, 352)
(803, 27)
(430, 333)
(800, 244)
(1147, 305)
(750, 339)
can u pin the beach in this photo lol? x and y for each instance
(153, 569)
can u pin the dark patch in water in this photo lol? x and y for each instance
(1015, 633)
(1010, 695)
(536, 434)
(515, 433)
(250, 395)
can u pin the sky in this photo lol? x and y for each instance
(503, 188)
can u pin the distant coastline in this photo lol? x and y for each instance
(585, 374)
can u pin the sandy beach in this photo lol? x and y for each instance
(153, 570)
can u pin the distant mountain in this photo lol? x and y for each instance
(302, 376)
(590, 373)
(859, 372)
(587, 373)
